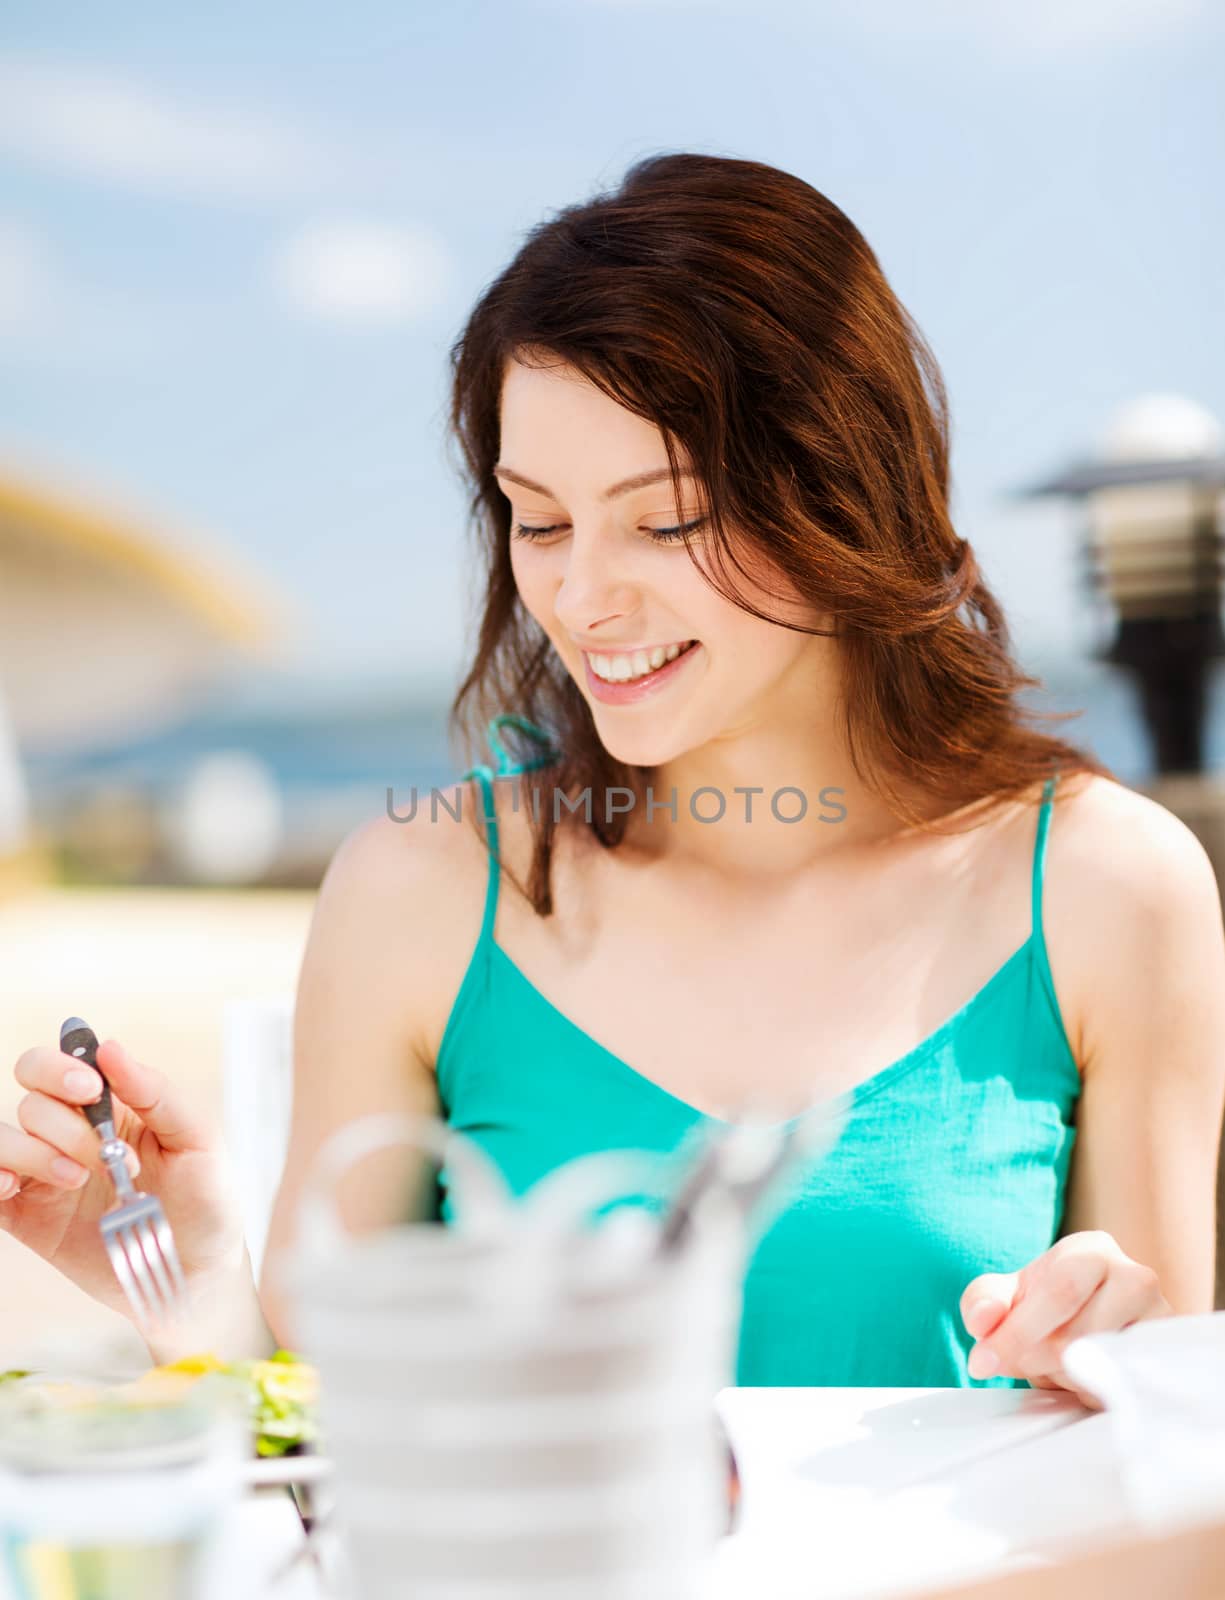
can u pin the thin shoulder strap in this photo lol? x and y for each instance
(486, 776)
(1044, 824)
(507, 768)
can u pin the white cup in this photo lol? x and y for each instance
(521, 1402)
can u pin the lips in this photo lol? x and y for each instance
(635, 689)
(645, 650)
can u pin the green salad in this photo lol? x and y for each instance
(281, 1392)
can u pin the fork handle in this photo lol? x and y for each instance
(78, 1039)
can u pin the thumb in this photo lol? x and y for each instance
(153, 1098)
(987, 1300)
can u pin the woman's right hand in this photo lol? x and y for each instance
(54, 1187)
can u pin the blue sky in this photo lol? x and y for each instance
(236, 244)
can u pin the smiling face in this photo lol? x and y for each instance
(603, 585)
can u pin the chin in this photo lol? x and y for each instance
(642, 749)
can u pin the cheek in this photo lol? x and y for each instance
(740, 633)
(770, 589)
(751, 655)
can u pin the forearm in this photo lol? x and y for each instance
(224, 1318)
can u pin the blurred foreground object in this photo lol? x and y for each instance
(118, 1496)
(1159, 1383)
(519, 1401)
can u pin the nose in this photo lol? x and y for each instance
(597, 583)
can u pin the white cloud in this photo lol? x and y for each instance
(103, 125)
(363, 272)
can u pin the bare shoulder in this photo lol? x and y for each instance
(1123, 873)
(405, 892)
(1120, 842)
(420, 841)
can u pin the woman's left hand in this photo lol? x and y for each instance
(1023, 1321)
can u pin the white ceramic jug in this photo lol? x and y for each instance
(520, 1403)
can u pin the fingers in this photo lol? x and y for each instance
(50, 1071)
(1052, 1305)
(1121, 1297)
(144, 1091)
(65, 1130)
(987, 1301)
(23, 1156)
(153, 1098)
(54, 1143)
(1068, 1282)
(1091, 1402)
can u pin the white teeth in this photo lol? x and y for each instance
(623, 669)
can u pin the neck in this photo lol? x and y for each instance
(761, 802)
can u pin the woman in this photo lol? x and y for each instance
(708, 454)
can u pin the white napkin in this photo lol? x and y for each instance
(1162, 1383)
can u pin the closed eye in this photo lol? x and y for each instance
(662, 535)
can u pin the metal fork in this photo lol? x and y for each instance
(136, 1234)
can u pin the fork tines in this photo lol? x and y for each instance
(136, 1234)
(141, 1247)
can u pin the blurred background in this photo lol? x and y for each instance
(235, 248)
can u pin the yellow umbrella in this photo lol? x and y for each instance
(107, 625)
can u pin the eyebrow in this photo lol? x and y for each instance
(640, 480)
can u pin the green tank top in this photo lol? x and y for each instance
(953, 1161)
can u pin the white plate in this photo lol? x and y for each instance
(263, 1471)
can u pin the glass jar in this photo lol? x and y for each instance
(108, 1496)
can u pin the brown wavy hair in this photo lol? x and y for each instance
(740, 311)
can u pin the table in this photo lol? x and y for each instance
(858, 1492)
(874, 1492)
